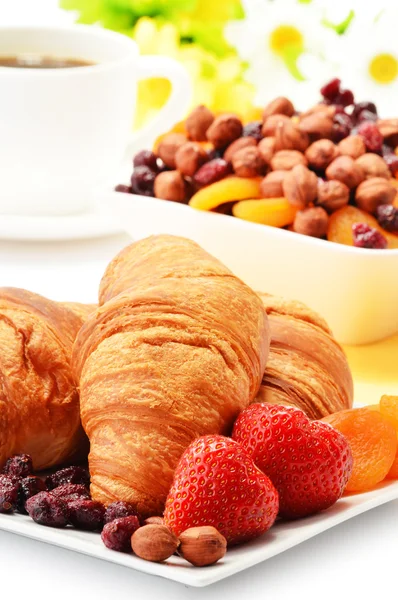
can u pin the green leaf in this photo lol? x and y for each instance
(342, 27)
(290, 57)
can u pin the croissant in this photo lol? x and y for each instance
(306, 366)
(176, 350)
(39, 404)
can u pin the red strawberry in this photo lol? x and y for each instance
(308, 463)
(216, 483)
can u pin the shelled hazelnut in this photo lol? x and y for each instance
(266, 147)
(289, 137)
(189, 158)
(272, 122)
(202, 546)
(317, 124)
(373, 192)
(353, 146)
(155, 543)
(168, 147)
(284, 160)
(345, 169)
(321, 153)
(332, 195)
(248, 162)
(280, 105)
(198, 122)
(271, 186)
(312, 221)
(373, 165)
(224, 130)
(300, 186)
(239, 144)
(170, 185)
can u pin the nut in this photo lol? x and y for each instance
(271, 185)
(168, 147)
(387, 127)
(224, 130)
(284, 160)
(170, 185)
(198, 122)
(280, 105)
(202, 546)
(332, 195)
(289, 137)
(373, 192)
(311, 221)
(189, 158)
(345, 169)
(266, 147)
(321, 153)
(271, 123)
(243, 142)
(300, 186)
(154, 542)
(154, 521)
(248, 162)
(328, 110)
(317, 123)
(373, 166)
(353, 146)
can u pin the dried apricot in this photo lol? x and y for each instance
(341, 222)
(226, 190)
(389, 409)
(277, 212)
(373, 442)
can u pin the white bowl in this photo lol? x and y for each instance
(354, 289)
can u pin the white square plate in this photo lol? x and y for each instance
(281, 537)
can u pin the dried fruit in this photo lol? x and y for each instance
(341, 222)
(20, 465)
(170, 185)
(47, 509)
(155, 543)
(342, 126)
(253, 130)
(373, 441)
(360, 107)
(226, 190)
(213, 171)
(116, 535)
(308, 462)
(300, 186)
(224, 130)
(373, 192)
(216, 483)
(387, 217)
(371, 135)
(365, 236)
(198, 122)
(321, 153)
(248, 162)
(29, 486)
(276, 212)
(345, 169)
(73, 474)
(331, 89)
(125, 189)
(120, 509)
(8, 494)
(202, 546)
(146, 158)
(388, 407)
(189, 158)
(71, 491)
(332, 195)
(142, 181)
(86, 514)
(312, 221)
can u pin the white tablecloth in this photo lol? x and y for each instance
(356, 560)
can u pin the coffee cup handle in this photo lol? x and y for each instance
(176, 105)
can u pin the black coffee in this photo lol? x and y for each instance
(32, 61)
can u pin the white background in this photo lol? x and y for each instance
(356, 560)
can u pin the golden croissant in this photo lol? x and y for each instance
(306, 366)
(39, 404)
(176, 350)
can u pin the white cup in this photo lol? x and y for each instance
(64, 132)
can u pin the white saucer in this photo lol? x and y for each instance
(91, 224)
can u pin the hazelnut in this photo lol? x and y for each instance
(154, 542)
(284, 160)
(321, 153)
(266, 147)
(271, 123)
(243, 142)
(328, 110)
(311, 221)
(317, 123)
(170, 185)
(373, 192)
(198, 122)
(345, 169)
(373, 165)
(271, 185)
(189, 158)
(387, 127)
(202, 546)
(168, 147)
(289, 137)
(224, 130)
(300, 186)
(154, 521)
(353, 146)
(280, 105)
(332, 195)
(248, 162)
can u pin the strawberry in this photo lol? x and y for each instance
(216, 483)
(308, 463)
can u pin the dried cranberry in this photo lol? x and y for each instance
(213, 171)
(387, 216)
(116, 535)
(368, 237)
(146, 158)
(47, 509)
(120, 509)
(20, 465)
(359, 107)
(344, 98)
(366, 115)
(371, 136)
(253, 129)
(72, 474)
(28, 487)
(142, 181)
(392, 161)
(342, 125)
(87, 514)
(331, 89)
(125, 189)
(8, 494)
(71, 491)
